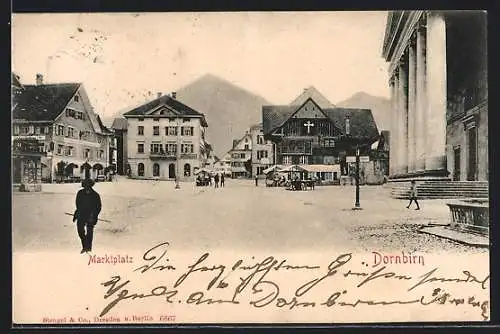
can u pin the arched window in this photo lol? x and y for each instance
(140, 169)
(156, 169)
(187, 170)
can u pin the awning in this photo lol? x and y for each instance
(238, 170)
(275, 168)
(292, 168)
(321, 168)
(97, 166)
(85, 166)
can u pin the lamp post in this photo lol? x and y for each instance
(178, 155)
(357, 205)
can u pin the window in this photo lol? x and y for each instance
(156, 119)
(171, 119)
(156, 130)
(187, 170)
(140, 130)
(70, 112)
(77, 98)
(156, 169)
(140, 169)
(79, 115)
(185, 120)
(60, 130)
(71, 132)
(156, 148)
(187, 131)
(304, 160)
(68, 151)
(140, 120)
(172, 147)
(87, 153)
(171, 130)
(329, 143)
(59, 149)
(101, 154)
(247, 147)
(140, 147)
(260, 140)
(287, 160)
(261, 154)
(187, 148)
(16, 129)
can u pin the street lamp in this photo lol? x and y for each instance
(357, 205)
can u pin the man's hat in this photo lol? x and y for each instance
(88, 183)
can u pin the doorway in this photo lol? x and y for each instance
(472, 154)
(456, 162)
(171, 171)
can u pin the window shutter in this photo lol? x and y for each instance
(192, 131)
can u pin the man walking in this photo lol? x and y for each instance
(256, 180)
(216, 179)
(413, 195)
(88, 207)
(222, 179)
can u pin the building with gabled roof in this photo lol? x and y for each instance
(308, 134)
(70, 136)
(165, 140)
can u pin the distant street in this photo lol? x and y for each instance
(239, 216)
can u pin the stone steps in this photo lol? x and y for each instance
(441, 189)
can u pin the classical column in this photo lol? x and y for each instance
(435, 159)
(412, 69)
(421, 101)
(393, 128)
(403, 117)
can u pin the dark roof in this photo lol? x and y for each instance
(180, 107)
(362, 123)
(44, 102)
(104, 128)
(119, 124)
(383, 144)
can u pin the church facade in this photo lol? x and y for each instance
(439, 93)
(308, 134)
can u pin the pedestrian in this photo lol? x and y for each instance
(256, 181)
(216, 179)
(88, 207)
(222, 180)
(413, 195)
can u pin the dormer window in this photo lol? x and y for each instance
(77, 98)
(347, 126)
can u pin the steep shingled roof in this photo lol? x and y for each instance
(43, 102)
(119, 124)
(166, 100)
(362, 123)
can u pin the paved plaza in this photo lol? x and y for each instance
(239, 216)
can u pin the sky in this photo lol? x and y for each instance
(124, 59)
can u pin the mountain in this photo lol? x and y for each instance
(229, 109)
(380, 107)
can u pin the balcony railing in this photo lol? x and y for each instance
(189, 156)
(163, 155)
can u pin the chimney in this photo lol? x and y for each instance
(174, 95)
(39, 79)
(159, 95)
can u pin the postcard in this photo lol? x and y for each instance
(250, 167)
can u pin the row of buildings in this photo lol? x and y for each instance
(315, 134)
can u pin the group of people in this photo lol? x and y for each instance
(208, 179)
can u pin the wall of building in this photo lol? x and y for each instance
(258, 164)
(456, 136)
(132, 138)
